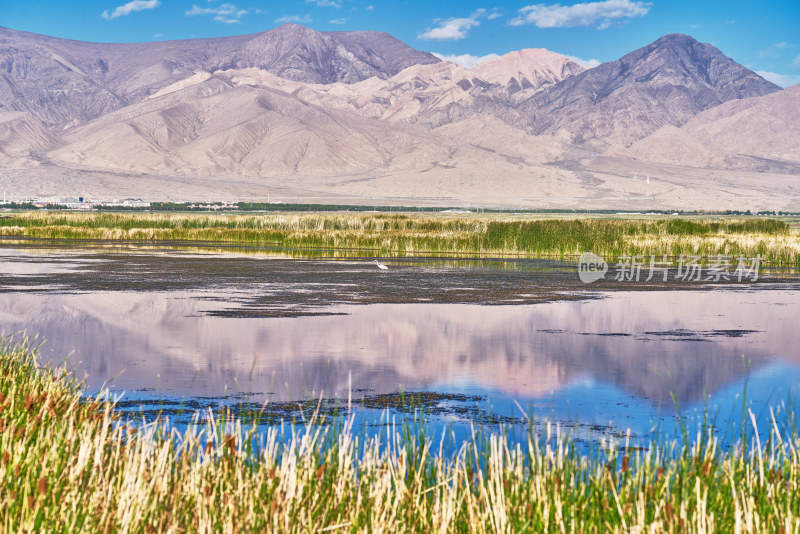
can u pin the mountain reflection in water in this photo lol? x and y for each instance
(647, 344)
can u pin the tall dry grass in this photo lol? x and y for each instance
(72, 464)
(404, 235)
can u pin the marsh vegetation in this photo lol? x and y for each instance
(776, 241)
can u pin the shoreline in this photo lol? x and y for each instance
(776, 242)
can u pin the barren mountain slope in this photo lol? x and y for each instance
(531, 68)
(494, 136)
(370, 120)
(298, 53)
(414, 95)
(430, 94)
(758, 134)
(202, 130)
(66, 82)
(21, 137)
(664, 83)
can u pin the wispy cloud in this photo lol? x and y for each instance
(775, 50)
(370, 8)
(796, 61)
(130, 7)
(452, 29)
(784, 80)
(338, 21)
(603, 14)
(225, 13)
(325, 3)
(298, 19)
(466, 60)
(588, 63)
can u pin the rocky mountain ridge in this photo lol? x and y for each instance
(63, 82)
(292, 102)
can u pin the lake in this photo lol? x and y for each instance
(492, 342)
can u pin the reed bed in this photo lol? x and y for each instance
(402, 235)
(70, 463)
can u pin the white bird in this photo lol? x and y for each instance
(381, 266)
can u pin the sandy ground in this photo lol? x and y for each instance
(590, 183)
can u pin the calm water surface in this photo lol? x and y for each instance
(499, 341)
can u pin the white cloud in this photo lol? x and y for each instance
(338, 21)
(588, 63)
(370, 8)
(796, 61)
(130, 7)
(325, 3)
(466, 60)
(452, 29)
(298, 19)
(494, 14)
(587, 14)
(784, 80)
(225, 13)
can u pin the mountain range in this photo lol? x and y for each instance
(362, 115)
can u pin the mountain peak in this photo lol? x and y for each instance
(527, 59)
(684, 58)
(290, 25)
(302, 54)
(666, 82)
(528, 68)
(98, 78)
(675, 38)
(292, 28)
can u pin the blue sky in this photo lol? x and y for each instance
(764, 36)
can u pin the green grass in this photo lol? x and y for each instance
(71, 464)
(400, 235)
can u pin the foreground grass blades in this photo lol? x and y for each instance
(776, 242)
(70, 464)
